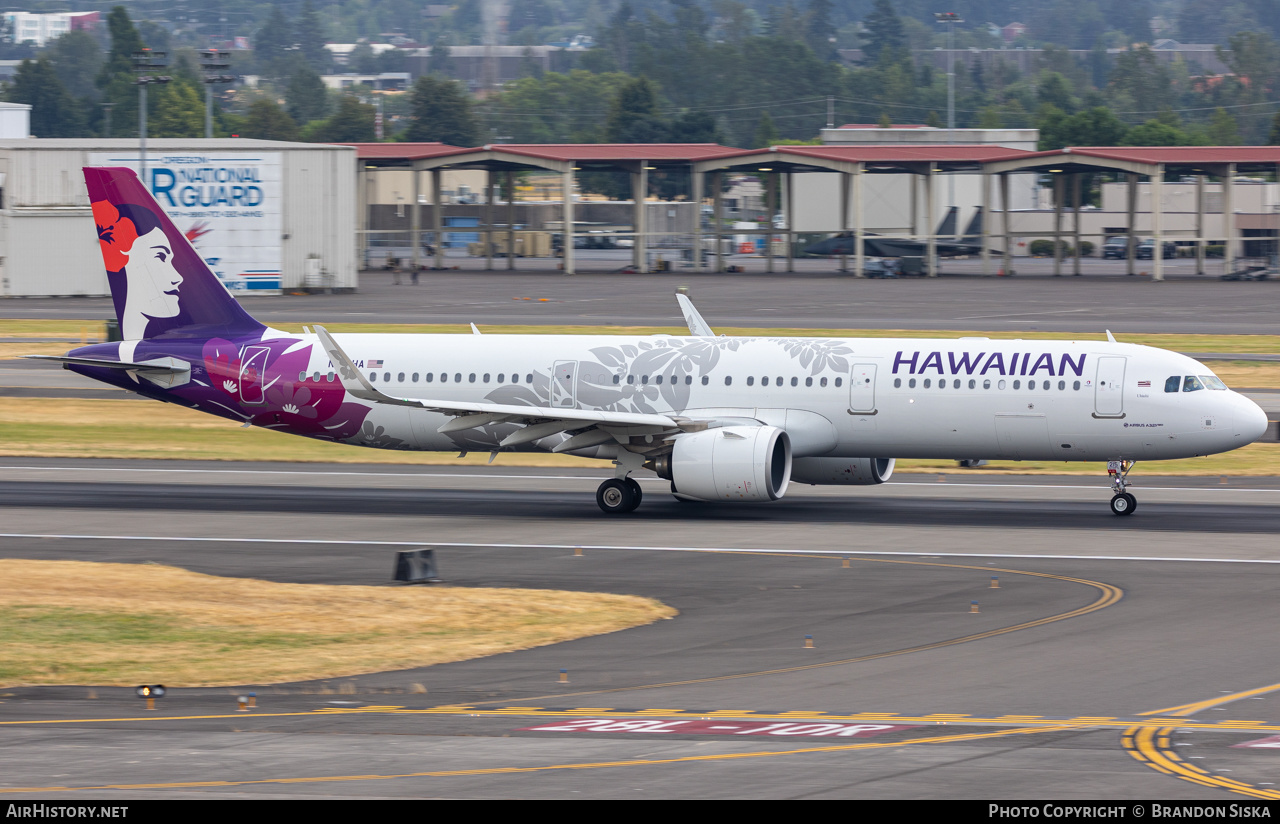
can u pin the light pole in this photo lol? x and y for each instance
(950, 18)
(145, 61)
(211, 61)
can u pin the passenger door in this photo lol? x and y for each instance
(1108, 392)
(564, 384)
(252, 365)
(862, 388)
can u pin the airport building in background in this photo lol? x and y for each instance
(265, 215)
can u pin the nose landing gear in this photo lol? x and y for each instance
(1123, 502)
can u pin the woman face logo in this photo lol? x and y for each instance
(152, 277)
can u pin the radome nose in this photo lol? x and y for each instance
(1250, 421)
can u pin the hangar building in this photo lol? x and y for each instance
(266, 215)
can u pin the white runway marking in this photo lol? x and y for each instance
(1100, 486)
(711, 549)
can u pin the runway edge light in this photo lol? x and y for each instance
(150, 692)
(973, 606)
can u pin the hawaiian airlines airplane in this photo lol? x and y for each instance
(722, 418)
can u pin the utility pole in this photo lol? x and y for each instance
(950, 18)
(211, 61)
(146, 61)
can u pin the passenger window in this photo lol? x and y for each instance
(942, 383)
(1076, 385)
(486, 377)
(528, 378)
(778, 380)
(795, 381)
(1017, 384)
(728, 381)
(986, 384)
(415, 377)
(1212, 382)
(839, 381)
(764, 381)
(386, 376)
(897, 383)
(688, 380)
(1171, 383)
(315, 376)
(373, 377)
(631, 379)
(400, 378)
(444, 377)
(928, 382)
(501, 377)
(972, 383)
(457, 377)
(1045, 386)
(808, 381)
(911, 384)
(644, 379)
(617, 379)
(430, 377)
(658, 380)
(1062, 385)
(1191, 384)
(822, 382)
(1000, 385)
(705, 380)
(302, 376)
(751, 380)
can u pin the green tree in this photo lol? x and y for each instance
(306, 97)
(1052, 88)
(694, 127)
(633, 115)
(272, 43)
(267, 121)
(175, 109)
(766, 133)
(442, 112)
(1155, 133)
(78, 58)
(884, 31)
(554, 108)
(54, 112)
(116, 77)
(989, 118)
(441, 60)
(1223, 129)
(1274, 137)
(351, 123)
(309, 36)
(819, 29)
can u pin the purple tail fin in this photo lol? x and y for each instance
(159, 283)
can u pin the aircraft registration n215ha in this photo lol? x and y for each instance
(722, 418)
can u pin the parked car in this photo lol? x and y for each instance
(1146, 249)
(1116, 248)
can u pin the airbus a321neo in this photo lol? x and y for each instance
(722, 418)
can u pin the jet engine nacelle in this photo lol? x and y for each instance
(842, 471)
(732, 463)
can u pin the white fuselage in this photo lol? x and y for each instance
(967, 398)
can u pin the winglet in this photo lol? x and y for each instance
(697, 326)
(1110, 336)
(352, 379)
(474, 330)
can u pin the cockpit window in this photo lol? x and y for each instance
(1191, 384)
(1172, 383)
(1213, 382)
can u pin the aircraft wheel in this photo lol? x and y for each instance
(615, 497)
(1124, 504)
(636, 492)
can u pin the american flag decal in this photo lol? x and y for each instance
(1144, 383)
(374, 364)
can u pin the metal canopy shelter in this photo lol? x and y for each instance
(1224, 162)
(851, 163)
(637, 159)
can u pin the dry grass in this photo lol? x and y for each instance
(73, 622)
(11, 351)
(1242, 374)
(71, 330)
(146, 430)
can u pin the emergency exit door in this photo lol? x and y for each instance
(862, 388)
(1108, 392)
(564, 384)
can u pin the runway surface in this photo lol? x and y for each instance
(905, 693)
(803, 300)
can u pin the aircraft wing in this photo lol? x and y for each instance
(593, 426)
(159, 365)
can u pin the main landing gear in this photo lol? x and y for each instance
(617, 496)
(1122, 503)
